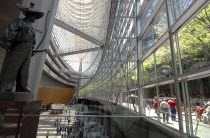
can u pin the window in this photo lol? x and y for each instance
(149, 70)
(194, 42)
(160, 24)
(164, 61)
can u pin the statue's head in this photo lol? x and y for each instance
(31, 16)
(30, 12)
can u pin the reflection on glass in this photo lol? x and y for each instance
(194, 42)
(150, 95)
(164, 61)
(147, 40)
(132, 78)
(168, 106)
(149, 70)
(147, 12)
(124, 82)
(199, 93)
(180, 6)
(133, 100)
(162, 107)
(160, 24)
(171, 12)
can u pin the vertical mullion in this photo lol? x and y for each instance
(186, 108)
(189, 107)
(177, 91)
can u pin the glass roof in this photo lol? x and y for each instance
(90, 17)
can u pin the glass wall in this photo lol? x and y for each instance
(147, 12)
(150, 95)
(147, 40)
(194, 42)
(172, 63)
(164, 62)
(199, 99)
(180, 6)
(159, 64)
(149, 70)
(161, 104)
(160, 23)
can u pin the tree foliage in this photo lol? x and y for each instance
(194, 41)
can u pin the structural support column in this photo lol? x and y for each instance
(79, 82)
(43, 31)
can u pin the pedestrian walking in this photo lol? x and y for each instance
(164, 109)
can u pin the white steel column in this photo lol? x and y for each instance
(43, 31)
(79, 82)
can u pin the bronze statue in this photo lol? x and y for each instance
(18, 40)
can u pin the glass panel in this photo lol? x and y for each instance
(171, 12)
(149, 100)
(124, 83)
(125, 99)
(194, 41)
(147, 12)
(168, 108)
(147, 40)
(199, 93)
(149, 70)
(164, 61)
(160, 24)
(132, 78)
(133, 97)
(180, 6)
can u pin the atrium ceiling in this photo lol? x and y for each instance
(80, 32)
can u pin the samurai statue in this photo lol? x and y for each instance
(18, 40)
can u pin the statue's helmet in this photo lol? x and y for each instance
(25, 10)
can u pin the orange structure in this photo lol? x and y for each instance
(57, 95)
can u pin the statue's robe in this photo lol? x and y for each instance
(19, 40)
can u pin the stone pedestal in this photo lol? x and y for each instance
(19, 115)
(16, 96)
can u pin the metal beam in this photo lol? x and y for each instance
(77, 32)
(123, 60)
(75, 74)
(78, 52)
(126, 17)
(124, 37)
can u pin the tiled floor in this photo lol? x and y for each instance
(47, 127)
(47, 124)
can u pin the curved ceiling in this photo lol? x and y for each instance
(90, 18)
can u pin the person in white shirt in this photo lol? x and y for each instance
(165, 110)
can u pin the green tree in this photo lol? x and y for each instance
(194, 41)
